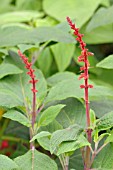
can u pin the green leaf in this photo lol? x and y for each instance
(49, 115)
(8, 69)
(105, 122)
(68, 134)
(101, 107)
(16, 89)
(41, 161)
(45, 57)
(44, 142)
(104, 160)
(40, 135)
(76, 157)
(72, 8)
(12, 36)
(106, 63)
(109, 138)
(71, 88)
(99, 35)
(63, 54)
(17, 116)
(72, 113)
(7, 164)
(72, 145)
(19, 16)
(29, 4)
(103, 16)
(58, 77)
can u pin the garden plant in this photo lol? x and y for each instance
(56, 85)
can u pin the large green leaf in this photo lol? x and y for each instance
(58, 77)
(41, 161)
(102, 17)
(102, 106)
(99, 35)
(68, 134)
(63, 54)
(106, 63)
(19, 16)
(71, 88)
(105, 122)
(72, 145)
(72, 113)
(104, 160)
(8, 69)
(49, 115)
(79, 10)
(14, 90)
(7, 164)
(12, 36)
(17, 116)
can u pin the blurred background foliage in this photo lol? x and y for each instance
(39, 29)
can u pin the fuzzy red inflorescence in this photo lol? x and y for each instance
(28, 66)
(84, 54)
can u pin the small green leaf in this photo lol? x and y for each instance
(105, 122)
(72, 145)
(92, 119)
(40, 135)
(109, 138)
(17, 116)
(7, 164)
(68, 134)
(41, 161)
(106, 63)
(49, 115)
(8, 69)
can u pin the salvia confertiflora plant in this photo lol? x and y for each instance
(61, 131)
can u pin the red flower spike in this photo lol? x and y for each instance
(30, 72)
(82, 68)
(5, 144)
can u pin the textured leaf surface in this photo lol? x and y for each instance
(17, 116)
(102, 17)
(72, 145)
(7, 164)
(41, 161)
(68, 134)
(63, 54)
(73, 8)
(105, 122)
(72, 113)
(49, 115)
(12, 36)
(106, 63)
(104, 160)
(8, 69)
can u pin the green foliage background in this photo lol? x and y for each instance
(39, 29)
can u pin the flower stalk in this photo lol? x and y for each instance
(33, 81)
(85, 75)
